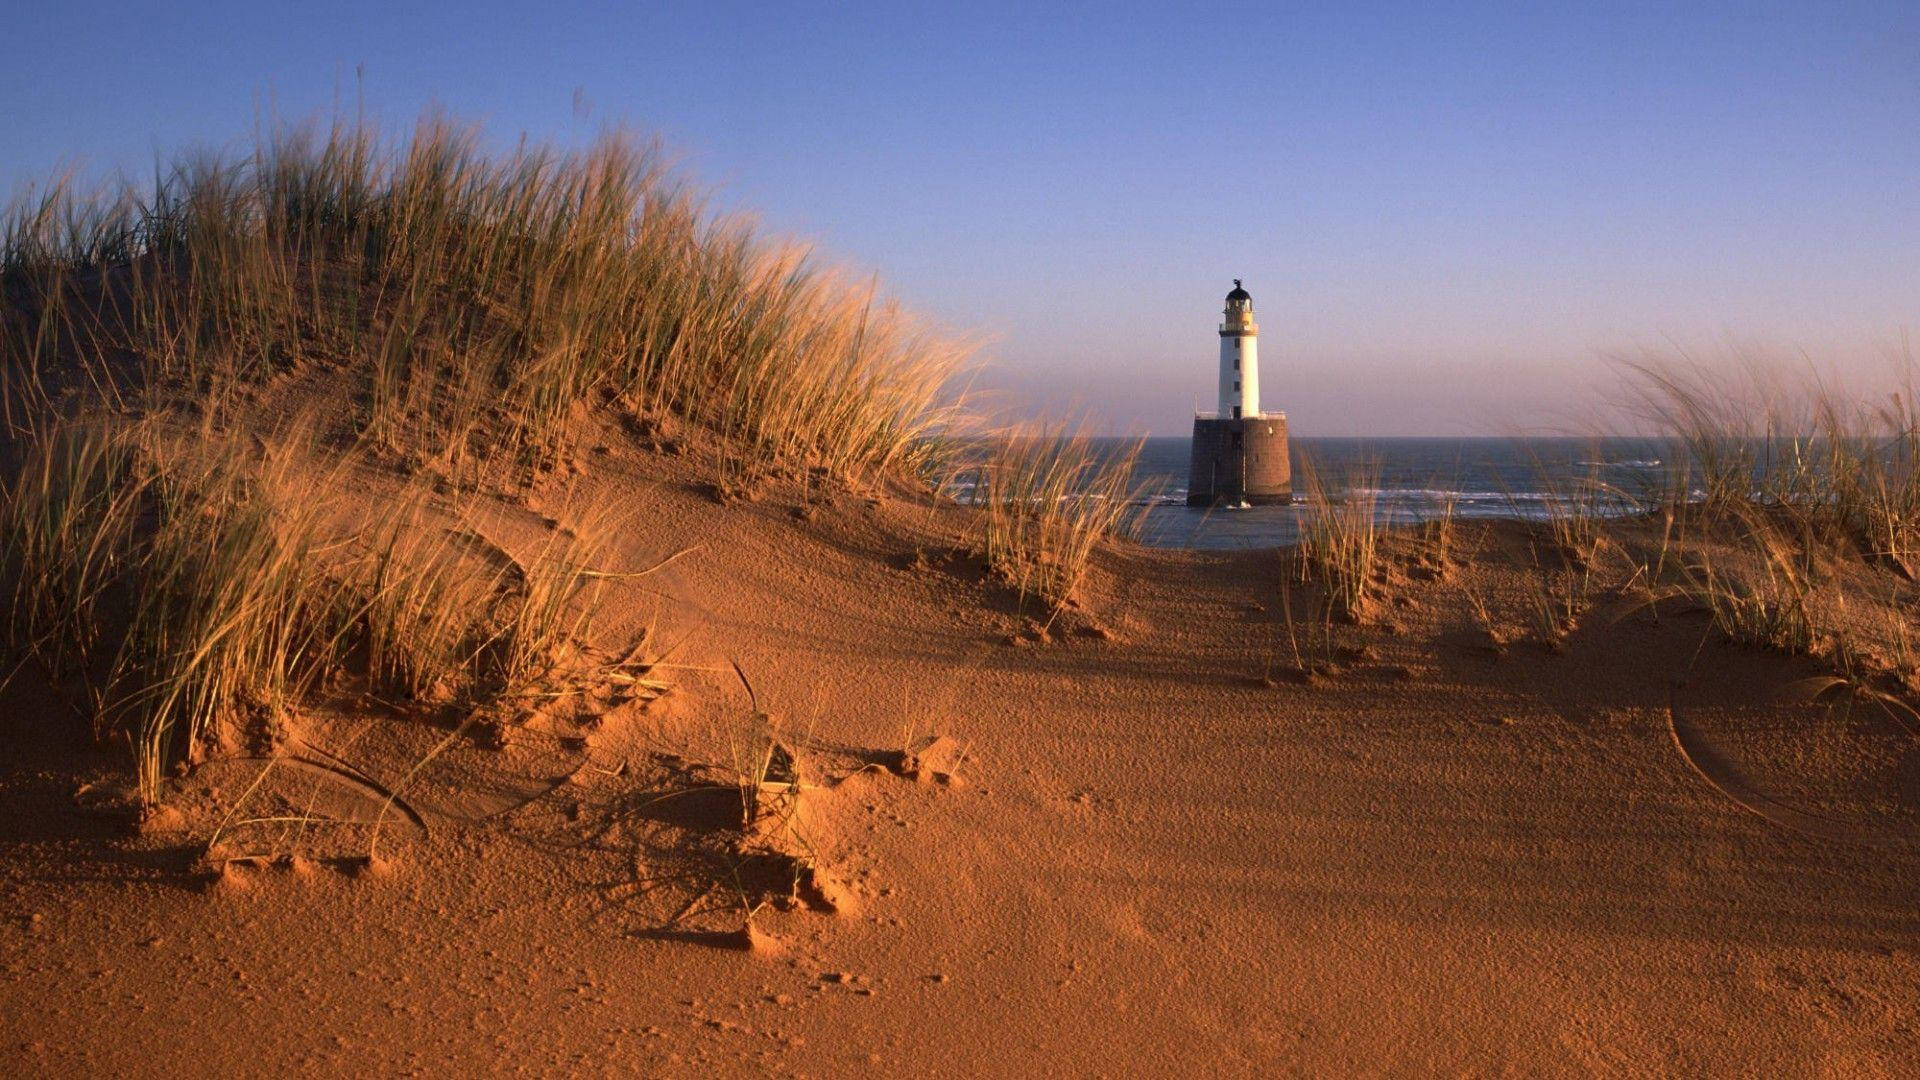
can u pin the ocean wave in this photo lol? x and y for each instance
(1431, 495)
(1408, 505)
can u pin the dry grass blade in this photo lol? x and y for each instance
(479, 303)
(201, 592)
(1339, 546)
(1049, 496)
(481, 300)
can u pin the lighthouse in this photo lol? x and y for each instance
(1239, 356)
(1240, 453)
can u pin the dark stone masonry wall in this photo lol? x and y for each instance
(1239, 461)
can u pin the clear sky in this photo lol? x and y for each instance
(1447, 214)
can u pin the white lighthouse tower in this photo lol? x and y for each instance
(1240, 455)
(1239, 357)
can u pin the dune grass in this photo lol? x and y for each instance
(472, 305)
(421, 590)
(1841, 464)
(1791, 510)
(1771, 600)
(1339, 546)
(478, 300)
(179, 588)
(1049, 496)
(201, 593)
(1565, 550)
(64, 520)
(1440, 533)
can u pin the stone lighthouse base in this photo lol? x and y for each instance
(1240, 461)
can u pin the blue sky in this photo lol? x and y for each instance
(1448, 215)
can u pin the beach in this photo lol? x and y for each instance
(476, 611)
(1151, 851)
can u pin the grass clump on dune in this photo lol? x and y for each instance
(1767, 591)
(1049, 497)
(200, 594)
(1790, 512)
(1339, 545)
(453, 312)
(177, 588)
(64, 520)
(1565, 548)
(1843, 466)
(478, 301)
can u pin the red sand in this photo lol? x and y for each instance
(1636, 856)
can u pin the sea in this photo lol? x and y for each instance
(1410, 479)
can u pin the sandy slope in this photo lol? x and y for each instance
(1152, 864)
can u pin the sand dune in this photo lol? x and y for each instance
(1129, 849)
